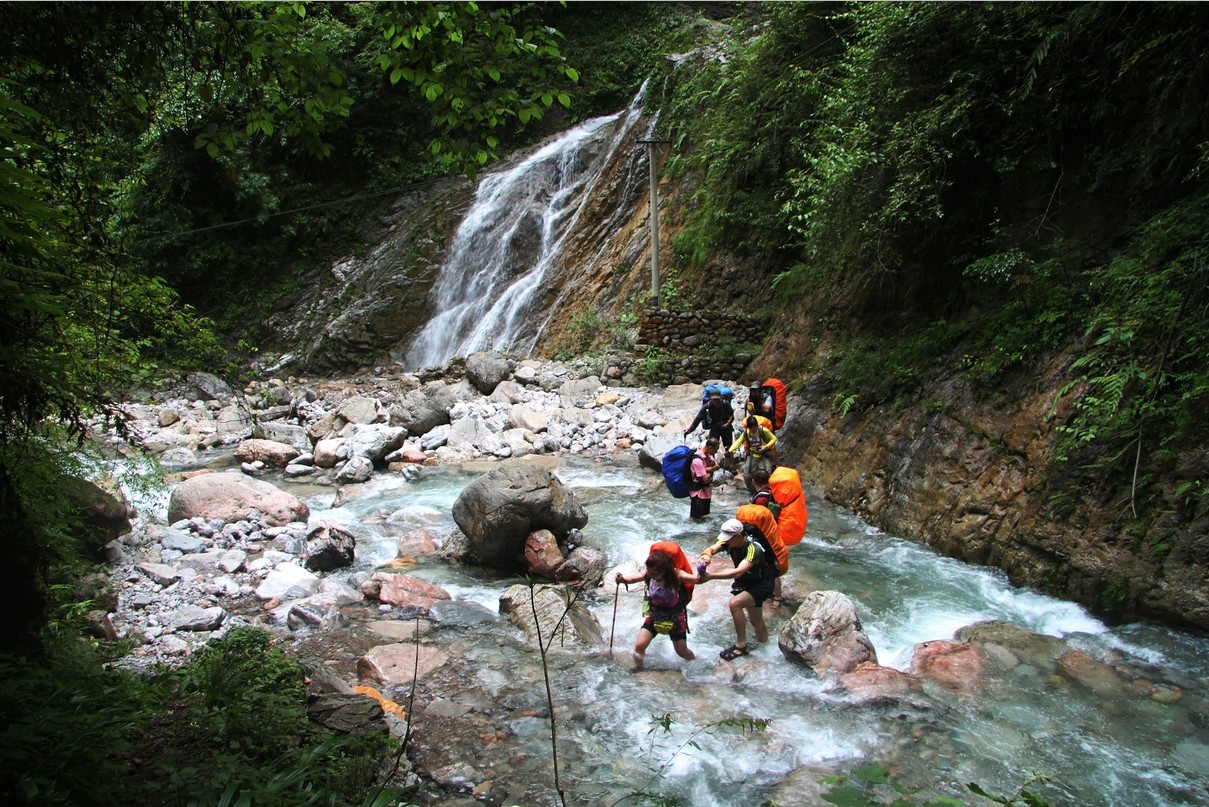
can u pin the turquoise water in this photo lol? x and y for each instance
(1124, 749)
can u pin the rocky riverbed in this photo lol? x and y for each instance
(232, 545)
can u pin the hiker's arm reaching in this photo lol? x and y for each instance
(635, 578)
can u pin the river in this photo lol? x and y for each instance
(1123, 747)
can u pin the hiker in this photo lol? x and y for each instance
(663, 604)
(718, 416)
(753, 584)
(760, 445)
(701, 478)
(763, 495)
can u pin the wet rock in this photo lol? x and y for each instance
(402, 590)
(355, 471)
(579, 628)
(542, 554)
(1036, 648)
(958, 666)
(585, 567)
(347, 713)
(328, 547)
(271, 453)
(826, 635)
(500, 509)
(870, 684)
(393, 664)
(1100, 678)
(291, 435)
(287, 582)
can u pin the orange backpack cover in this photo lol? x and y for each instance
(787, 490)
(761, 517)
(780, 405)
(673, 550)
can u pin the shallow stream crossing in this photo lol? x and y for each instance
(1121, 747)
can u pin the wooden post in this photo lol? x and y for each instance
(652, 160)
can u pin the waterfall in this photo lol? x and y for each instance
(509, 239)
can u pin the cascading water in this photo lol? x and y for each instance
(510, 238)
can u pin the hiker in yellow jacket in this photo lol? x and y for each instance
(759, 443)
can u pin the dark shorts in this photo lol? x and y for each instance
(760, 591)
(698, 508)
(676, 627)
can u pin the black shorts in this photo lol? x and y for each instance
(676, 626)
(698, 507)
(760, 590)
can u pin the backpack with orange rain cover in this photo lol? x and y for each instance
(787, 490)
(680, 561)
(762, 519)
(779, 402)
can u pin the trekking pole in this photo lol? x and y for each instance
(613, 627)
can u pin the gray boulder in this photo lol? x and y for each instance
(207, 387)
(375, 441)
(486, 370)
(577, 627)
(826, 635)
(329, 547)
(287, 433)
(357, 469)
(652, 451)
(499, 509)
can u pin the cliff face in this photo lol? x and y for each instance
(972, 479)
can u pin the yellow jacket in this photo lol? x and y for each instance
(766, 442)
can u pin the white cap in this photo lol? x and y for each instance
(732, 526)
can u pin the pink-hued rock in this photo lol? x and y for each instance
(270, 452)
(956, 665)
(402, 590)
(870, 683)
(230, 497)
(1096, 676)
(542, 555)
(393, 664)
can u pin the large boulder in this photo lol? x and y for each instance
(498, 510)
(288, 433)
(577, 627)
(104, 516)
(270, 452)
(375, 441)
(652, 451)
(826, 635)
(402, 590)
(423, 409)
(486, 370)
(397, 665)
(206, 387)
(957, 666)
(328, 547)
(231, 497)
(1037, 649)
(870, 684)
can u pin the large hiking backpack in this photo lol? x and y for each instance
(682, 563)
(726, 392)
(677, 469)
(786, 485)
(759, 523)
(780, 403)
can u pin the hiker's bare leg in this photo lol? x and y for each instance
(756, 614)
(644, 641)
(681, 646)
(738, 604)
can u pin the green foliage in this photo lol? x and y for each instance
(871, 785)
(79, 734)
(652, 368)
(591, 333)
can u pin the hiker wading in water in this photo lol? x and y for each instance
(753, 584)
(663, 605)
(701, 474)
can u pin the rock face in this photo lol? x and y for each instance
(957, 666)
(826, 635)
(230, 497)
(497, 511)
(973, 482)
(577, 629)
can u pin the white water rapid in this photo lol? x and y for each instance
(510, 238)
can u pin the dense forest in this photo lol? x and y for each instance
(976, 186)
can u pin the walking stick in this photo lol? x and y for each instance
(613, 627)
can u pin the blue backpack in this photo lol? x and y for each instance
(677, 471)
(726, 392)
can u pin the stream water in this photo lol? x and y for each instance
(1123, 748)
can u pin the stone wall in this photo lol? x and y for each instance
(687, 342)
